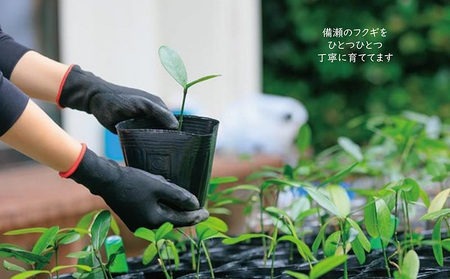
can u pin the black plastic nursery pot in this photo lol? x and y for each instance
(182, 157)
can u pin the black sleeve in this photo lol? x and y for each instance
(10, 53)
(12, 104)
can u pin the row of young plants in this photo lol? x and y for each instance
(322, 230)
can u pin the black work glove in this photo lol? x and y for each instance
(111, 103)
(139, 198)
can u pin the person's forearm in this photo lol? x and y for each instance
(38, 76)
(37, 136)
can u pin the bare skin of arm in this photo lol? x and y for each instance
(37, 136)
(38, 76)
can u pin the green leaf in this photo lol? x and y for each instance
(240, 187)
(149, 253)
(438, 202)
(163, 230)
(78, 266)
(80, 254)
(13, 267)
(223, 180)
(173, 64)
(244, 237)
(86, 221)
(331, 244)
(370, 218)
(424, 196)
(31, 273)
(67, 238)
(340, 198)
(303, 138)
(280, 183)
(326, 265)
(9, 250)
(262, 174)
(115, 226)
(340, 175)
(322, 200)
(204, 232)
(275, 211)
(273, 243)
(411, 265)
(383, 217)
(201, 80)
(92, 261)
(219, 211)
(296, 275)
(352, 235)
(351, 148)
(363, 241)
(176, 257)
(446, 244)
(320, 235)
(26, 231)
(45, 240)
(100, 228)
(436, 214)
(146, 234)
(359, 251)
(215, 224)
(302, 248)
(437, 247)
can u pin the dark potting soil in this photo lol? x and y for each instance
(138, 275)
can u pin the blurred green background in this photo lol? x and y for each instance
(417, 77)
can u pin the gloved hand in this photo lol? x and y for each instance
(139, 198)
(110, 103)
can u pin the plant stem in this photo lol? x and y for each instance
(163, 266)
(198, 260)
(395, 218)
(56, 261)
(408, 224)
(99, 259)
(261, 220)
(344, 246)
(319, 219)
(205, 249)
(168, 259)
(180, 126)
(272, 267)
(386, 264)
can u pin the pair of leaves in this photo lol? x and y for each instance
(174, 65)
(320, 268)
(377, 218)
(154, 235)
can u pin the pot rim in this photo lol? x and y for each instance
(162, 131)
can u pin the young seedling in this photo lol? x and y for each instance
(280, 216)
(174, 65)
(210, 228)
(158, 244)
(46, 247)
(349, 236)
(97, 225)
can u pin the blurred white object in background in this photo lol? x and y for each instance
(261, 124)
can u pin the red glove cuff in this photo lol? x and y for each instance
(61, 85)
(75, 165)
